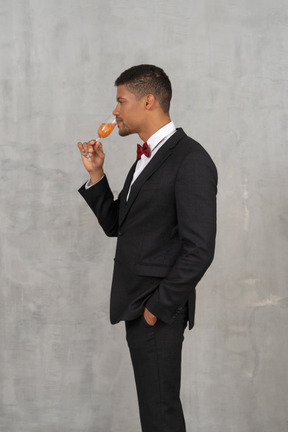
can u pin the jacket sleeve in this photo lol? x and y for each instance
(101, 201)
(195, 195)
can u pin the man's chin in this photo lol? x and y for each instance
(123, 132)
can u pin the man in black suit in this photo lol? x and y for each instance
(165, 221)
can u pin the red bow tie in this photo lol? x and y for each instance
(143, 150)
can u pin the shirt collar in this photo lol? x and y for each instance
(161, 134)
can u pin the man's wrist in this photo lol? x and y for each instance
(95, 177)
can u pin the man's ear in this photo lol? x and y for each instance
(149, 101)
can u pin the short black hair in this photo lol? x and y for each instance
(144, 79)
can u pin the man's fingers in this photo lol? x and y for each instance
(99, 146)
(84, 147)
(149, 317)
(90, 148)
(80, 146)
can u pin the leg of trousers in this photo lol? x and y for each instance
(156, 358)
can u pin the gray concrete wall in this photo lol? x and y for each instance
(63, 367)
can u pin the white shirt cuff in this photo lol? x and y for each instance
(88, 184)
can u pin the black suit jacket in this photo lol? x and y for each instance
(166, 230)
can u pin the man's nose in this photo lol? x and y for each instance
(116, 111)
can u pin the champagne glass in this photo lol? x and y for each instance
(104, 130)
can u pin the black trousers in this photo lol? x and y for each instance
(156, 358)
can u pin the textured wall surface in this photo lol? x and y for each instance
(63, 367)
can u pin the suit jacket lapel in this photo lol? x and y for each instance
(125, 190)
(159, 158)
